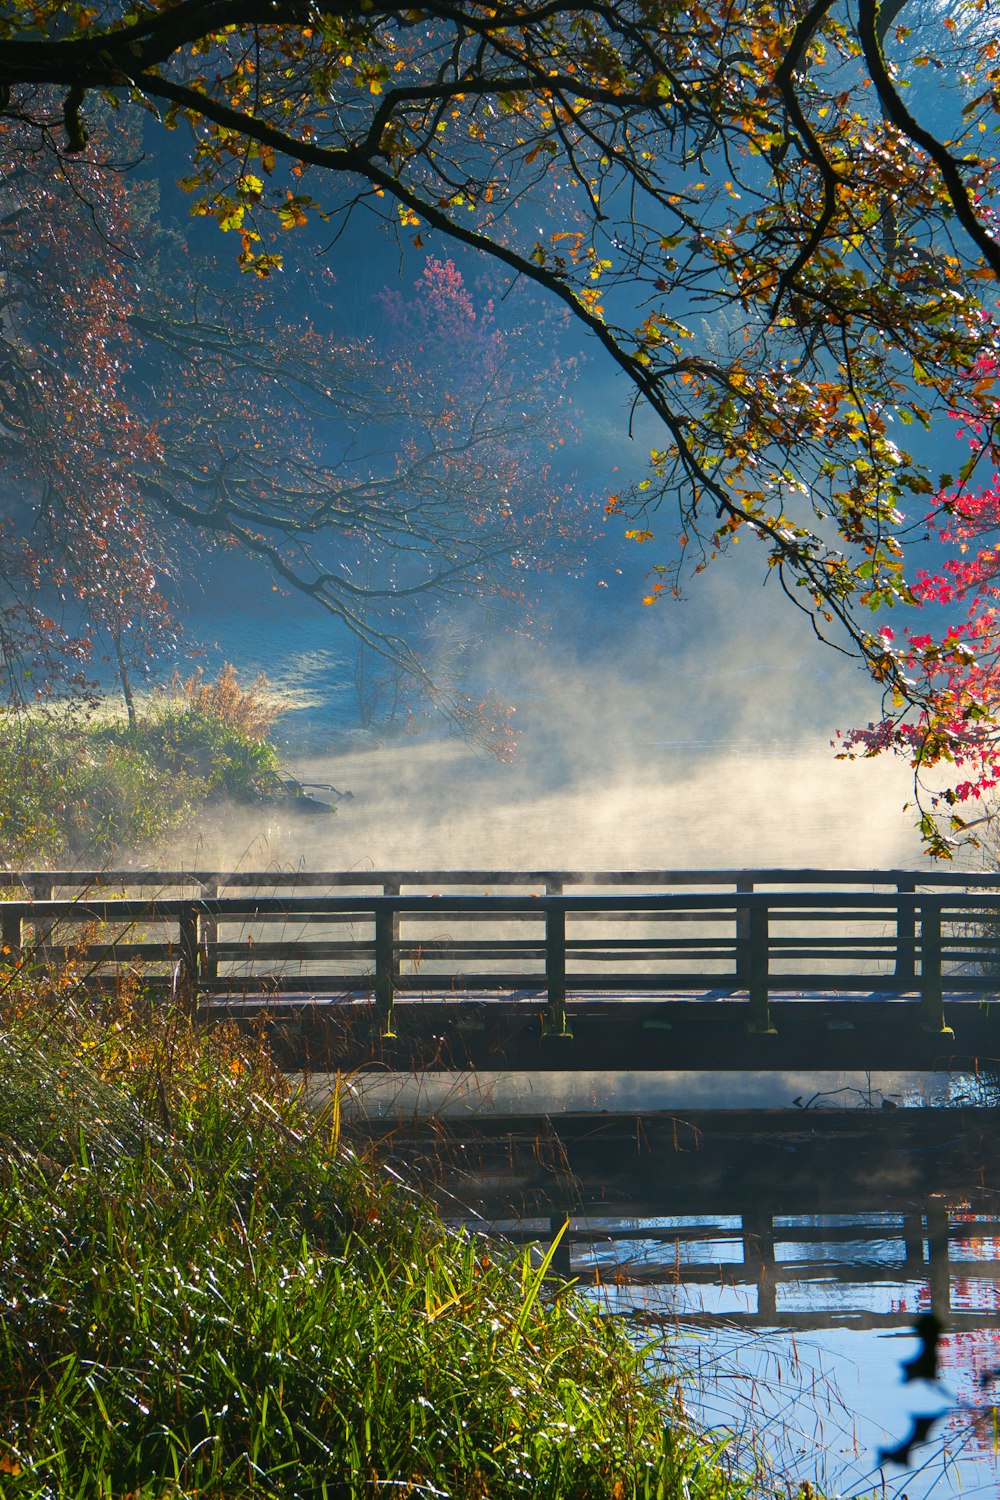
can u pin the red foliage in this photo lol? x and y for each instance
(953, 669)
(149, 406)
(79, 559)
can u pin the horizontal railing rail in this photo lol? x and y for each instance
(91, 880)
(331, 935)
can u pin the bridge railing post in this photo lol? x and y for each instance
(187, 965)
(906, 933)
(210, 936)
(744, 887)
(931, 985)
(556, 1022)
(386, 931)
(393, 888)
(759, 1019)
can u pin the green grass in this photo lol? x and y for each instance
(203, 1292)
(74, 787)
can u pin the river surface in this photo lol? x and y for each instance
(773, 1261)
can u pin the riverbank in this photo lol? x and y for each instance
(89, 783)
(205, 1290)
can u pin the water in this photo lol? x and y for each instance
(638, 755)
(773, 1262)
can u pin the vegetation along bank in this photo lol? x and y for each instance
(205, 1292)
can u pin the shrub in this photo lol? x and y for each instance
(73, 787)
(214, 758)
(251, 711)
(67, 792)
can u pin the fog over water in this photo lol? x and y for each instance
(689, 736)
(581, 796)
(440, 806)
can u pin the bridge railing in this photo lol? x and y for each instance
(719, 932)
(46, 884)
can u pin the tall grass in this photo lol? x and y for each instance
(204, 1292)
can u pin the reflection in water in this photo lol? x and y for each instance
(775, 1270)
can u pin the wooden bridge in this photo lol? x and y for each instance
(717, 969)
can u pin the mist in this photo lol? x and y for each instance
(693, 735)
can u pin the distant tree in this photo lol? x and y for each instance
(152, 409)
(81, 566)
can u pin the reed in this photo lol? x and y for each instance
(204, 1291)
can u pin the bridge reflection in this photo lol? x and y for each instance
(761, 1219)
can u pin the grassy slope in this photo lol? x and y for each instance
(76, 788)
(203, 1293)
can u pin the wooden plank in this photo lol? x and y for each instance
(785, 907)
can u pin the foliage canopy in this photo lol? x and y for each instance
(776, 219)
(157, 407)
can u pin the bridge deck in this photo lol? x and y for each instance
(621, 1032)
